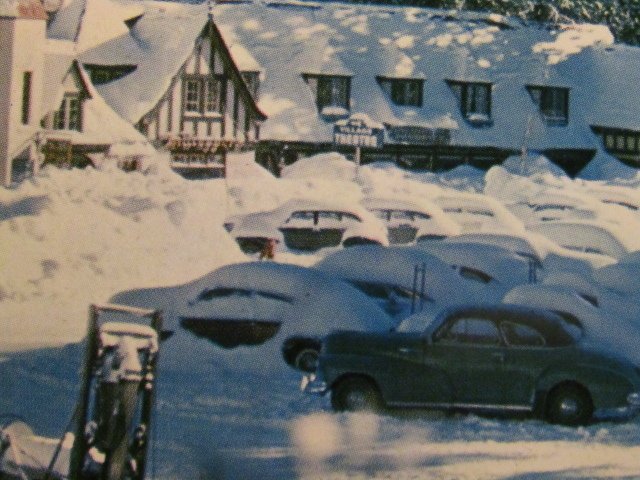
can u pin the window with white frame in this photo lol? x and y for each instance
(203, 94)
(474, 99)
(403, 91)
(553, 103)
(69, 115)
(192, 95)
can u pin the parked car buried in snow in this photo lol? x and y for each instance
(410, 221)
(308, 225)
(496, 358)
(265, 303)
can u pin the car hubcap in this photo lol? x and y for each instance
(357, 400)
(569, 407)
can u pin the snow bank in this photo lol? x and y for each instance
(325, 165)
(72, 237)
(606, 167)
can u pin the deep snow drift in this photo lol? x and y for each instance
(74, 237)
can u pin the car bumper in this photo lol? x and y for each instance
(311, 384)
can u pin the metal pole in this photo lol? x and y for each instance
(357, 161)
(80, 442)
(423, 271)
(148, 394)
(414, 288)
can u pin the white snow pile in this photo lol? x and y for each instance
(606, 167)
(572, 40)
(330, 165)
(75, 237)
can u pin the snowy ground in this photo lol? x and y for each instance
(78, 237)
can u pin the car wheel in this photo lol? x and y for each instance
(306, 360)
(356, 394)
(569, 405)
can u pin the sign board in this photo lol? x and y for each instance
(356, 133)
(421, 135)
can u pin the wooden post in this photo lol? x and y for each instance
(357, 160)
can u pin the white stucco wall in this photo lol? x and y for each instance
(22, 51)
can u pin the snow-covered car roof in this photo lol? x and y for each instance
(530, 244)
(439, 220)
(615, 333)
(477, 212)
(502, 265)
(590, 235)
(268, 223)
(396, 266)
(319, 301)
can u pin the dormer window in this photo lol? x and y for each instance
(553, 103)
(333, 93)
(403, 91)
(101, 74)
(474, 99)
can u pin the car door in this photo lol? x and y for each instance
(471, 352)
(527, 357)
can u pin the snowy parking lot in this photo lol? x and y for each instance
(87, 236)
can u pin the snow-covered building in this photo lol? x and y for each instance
(49, 110)
(20, 81)
(165, 68)
(449, 87)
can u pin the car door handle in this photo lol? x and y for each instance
(498, 356)
(407, 351)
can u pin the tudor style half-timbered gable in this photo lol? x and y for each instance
(208, 109)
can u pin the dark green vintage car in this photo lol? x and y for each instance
(492, 358)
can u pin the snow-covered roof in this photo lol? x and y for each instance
(158, 44)
(92, 22)
(290, 39)
(28, 9)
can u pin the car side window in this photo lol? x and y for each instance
(519, 335)
(476, 331)
(222, 292)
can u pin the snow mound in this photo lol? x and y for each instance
(532, 165)
(607, 167)
(325, 165)
(73, 237)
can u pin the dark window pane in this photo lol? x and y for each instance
(333, 92)
(26, 97)
(478, 331)
(192, 96)
(520, 335)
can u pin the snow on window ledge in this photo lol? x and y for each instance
(334, 113)
(479, 119)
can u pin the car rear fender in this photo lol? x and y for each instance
(607, 387)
